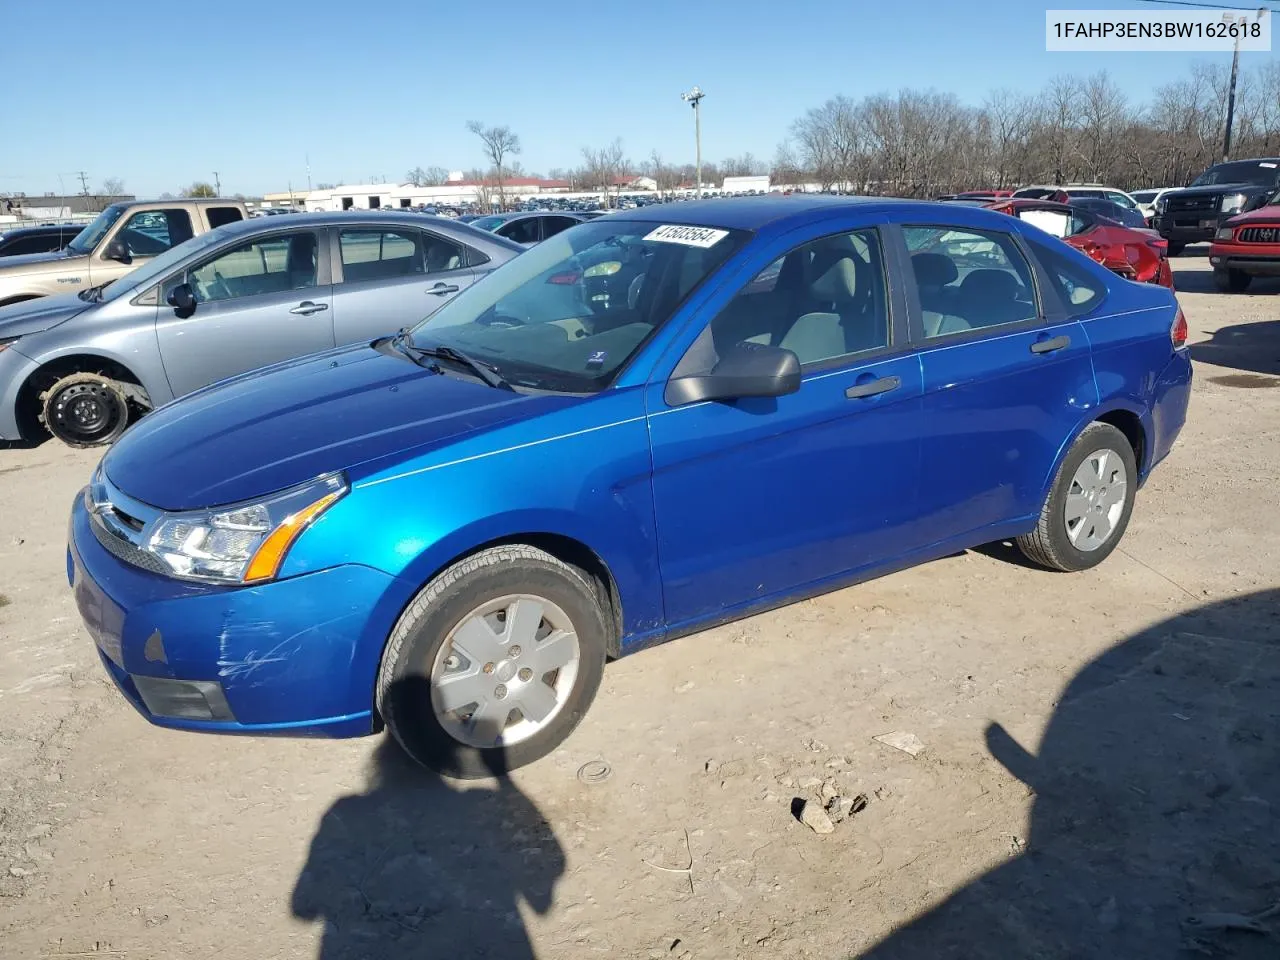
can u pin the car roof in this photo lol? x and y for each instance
(755, 213)
(346, 218)
(41, 228)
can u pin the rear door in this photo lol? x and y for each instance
(392, 276)
(1006, 378)
(259, 302)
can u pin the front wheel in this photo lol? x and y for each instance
(494, 663)
(85, 410)
(1232, 281)
(1089, 505)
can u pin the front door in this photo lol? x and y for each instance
(393, 277)
(756, 498)
(1003, 386)
(256, 303)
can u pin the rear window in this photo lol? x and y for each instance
(222, 215)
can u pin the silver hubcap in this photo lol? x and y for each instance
(1096, 500)
(505, 671)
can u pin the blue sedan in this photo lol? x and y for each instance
(640, 428)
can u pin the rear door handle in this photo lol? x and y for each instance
(306, 308)
(440, 289)
(1050, 345)
(873, 387)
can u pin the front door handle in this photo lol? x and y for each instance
(440, 289)
(873, 387)
(306, 308)
(1050, 345)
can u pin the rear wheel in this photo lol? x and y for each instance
(85, 409)
(1089, 505)
(1232, 281)
(494, 663)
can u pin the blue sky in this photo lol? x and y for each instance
(251, 89)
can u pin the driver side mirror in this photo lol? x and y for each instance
(116, 250)
(746, 370)
(183, 300)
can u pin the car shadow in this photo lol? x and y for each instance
(1201, 281)
(1006, 551)
(1153, 829)
(418, 866)
(1254, 347)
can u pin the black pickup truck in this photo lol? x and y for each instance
(1192, 215)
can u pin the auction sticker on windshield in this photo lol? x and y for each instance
(689, 236)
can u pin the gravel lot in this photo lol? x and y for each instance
(1099, 766)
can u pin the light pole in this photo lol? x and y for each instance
(694, 97)
(1231, 89)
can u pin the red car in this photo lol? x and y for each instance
(1245, 247)
(1141, 255)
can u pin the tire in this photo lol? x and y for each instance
(421, 667)
(85, 410)
(1232, 281)
(1176, 248)
(1059, 544)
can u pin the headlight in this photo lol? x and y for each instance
(1161, 204)
(606, 269)
(1224, 233)
(245, 542)
(1232, 202)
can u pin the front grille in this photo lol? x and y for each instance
(123, 550)
(1192, 204)
(1259, 235)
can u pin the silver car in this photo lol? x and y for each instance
(239, 297)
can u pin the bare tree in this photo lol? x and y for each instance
(435, 176)
(744, 166)
(417, 177)
(604, 165)
(499, 143)
(112, 187)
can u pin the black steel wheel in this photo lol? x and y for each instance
(85, 410)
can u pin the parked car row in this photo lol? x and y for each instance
(644, 425)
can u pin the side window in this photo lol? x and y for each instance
(218, 216)
(521, 231)
(1080, 290)
(823, 300)
(373, 254)
(150, 232)
(969, 279)
(269, 265)
(37, 243)
(442, 254)
(553, 225)
(1115, 196)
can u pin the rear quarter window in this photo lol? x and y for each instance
(222, 215)
(1079, 288)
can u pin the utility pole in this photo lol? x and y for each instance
(308, 156)
(1231, 89)
(694, 98)
(84, 182)
(217, 185)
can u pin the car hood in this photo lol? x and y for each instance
(22, 261)
(32, 316)
(279, 426)
(1266, 214)
(1220, 188)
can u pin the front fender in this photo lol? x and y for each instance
(135, 349)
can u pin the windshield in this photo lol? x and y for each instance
(92, 235)
(1144, 196)
(158, 267)
(1260, 173)
(488, 223)
(569, 313)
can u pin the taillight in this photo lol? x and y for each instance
(1178, 332)
(567, 279)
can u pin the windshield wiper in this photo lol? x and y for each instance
(484, 371)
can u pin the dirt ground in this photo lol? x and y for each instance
(1098, 777)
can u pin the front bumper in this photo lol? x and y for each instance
(1251, 261)
(1176, 232)
(292, 657)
